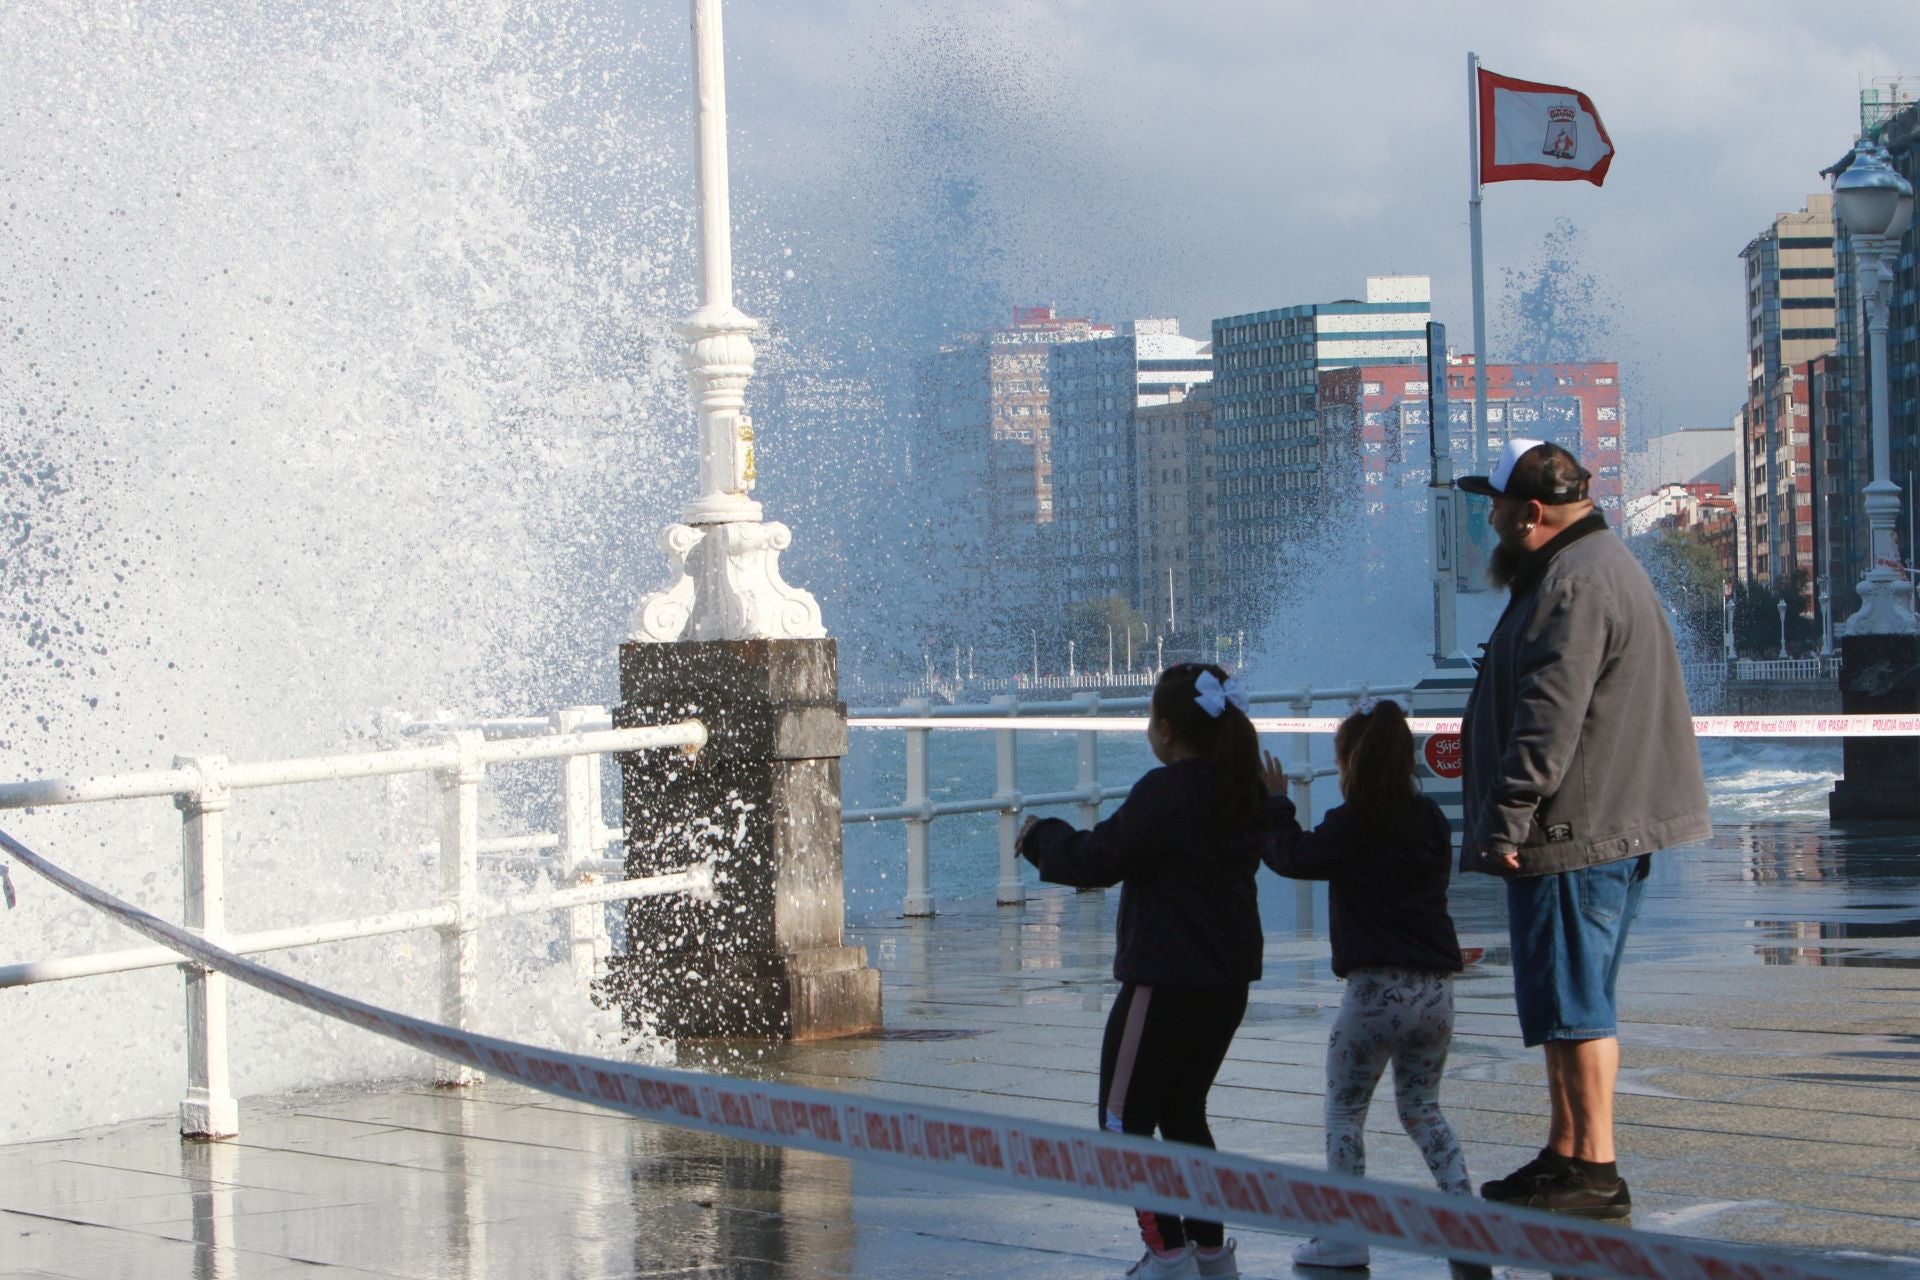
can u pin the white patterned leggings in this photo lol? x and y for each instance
(1402, 1016)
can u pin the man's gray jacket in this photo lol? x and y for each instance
(1579, 745)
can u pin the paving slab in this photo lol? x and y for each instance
(1770, 1095)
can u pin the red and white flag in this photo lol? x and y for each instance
(1541, 132)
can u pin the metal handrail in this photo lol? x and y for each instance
(688, 734)
(202, 788)
(918, 809)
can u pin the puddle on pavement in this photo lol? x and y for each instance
(1835, 957)
(1837, 928)
(921, 1033)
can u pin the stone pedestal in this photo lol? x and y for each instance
(766, 959)
(1879, 675)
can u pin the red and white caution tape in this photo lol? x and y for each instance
(1088, 1163)
(1891, 726)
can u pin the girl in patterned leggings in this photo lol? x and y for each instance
(1385, 854)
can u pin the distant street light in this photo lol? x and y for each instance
(1783, 628)
(1035, 636)
(1875, 204)
(1826, 622)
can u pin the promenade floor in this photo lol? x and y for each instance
(1771, 1095)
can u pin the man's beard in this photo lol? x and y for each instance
(1504, 565)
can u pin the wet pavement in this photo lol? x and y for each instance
(1771, 1095)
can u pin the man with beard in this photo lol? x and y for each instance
(1580, 763)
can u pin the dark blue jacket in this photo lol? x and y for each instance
(1189, 916)
(1387, 903)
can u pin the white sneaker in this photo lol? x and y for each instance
(1181, 1266)
(1331, 1253)
(1221, 1265)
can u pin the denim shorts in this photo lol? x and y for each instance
(1569, 932)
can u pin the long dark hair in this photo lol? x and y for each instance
(1228, 740)
(1377, 748)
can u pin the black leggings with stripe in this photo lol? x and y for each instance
(1162, 1049)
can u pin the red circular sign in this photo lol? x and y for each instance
(1442, 754)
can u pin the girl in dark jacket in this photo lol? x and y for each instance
(1385, 854)
(1184, 847)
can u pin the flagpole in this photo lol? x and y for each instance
(1479, 267)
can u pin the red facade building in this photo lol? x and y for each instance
(1383, 410)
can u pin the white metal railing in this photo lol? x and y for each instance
(1788, 670)
(202, 788)
(919, 810)
(1815, 670)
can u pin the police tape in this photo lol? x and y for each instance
(1089, 1164)
(1799, 726)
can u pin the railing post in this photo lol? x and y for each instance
(588, 941)
(209, 1109)
(459, 888)
(919, 896)
(1006, 763)
(1088, 756)
(1303, 758)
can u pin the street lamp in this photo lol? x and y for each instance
(724, 556)
(1826, 622)
(1035, 637)
(1875, 204)
(1726, 629)
(1783, 629)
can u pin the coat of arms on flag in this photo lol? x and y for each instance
(1542, 132)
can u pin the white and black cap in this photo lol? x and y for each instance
(1535, 470)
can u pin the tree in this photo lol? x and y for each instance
(1756, 619)
(1687, 574)
(1088, 623)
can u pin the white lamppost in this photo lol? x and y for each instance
(1826, 622)
(1783, 629)
(1875, 204)
(724, 557)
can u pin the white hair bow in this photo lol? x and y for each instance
(1213, 696)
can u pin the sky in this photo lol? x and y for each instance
(906, 169)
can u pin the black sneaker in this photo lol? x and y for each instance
(1519, 1186)
(1578, 1197)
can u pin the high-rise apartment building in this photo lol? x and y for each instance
(983, 436)
(1096, 387)
(1790, 312)
(1176, 510)
(1275, 470)
(1842, 464)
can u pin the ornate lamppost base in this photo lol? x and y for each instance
(766, 959)
(1880, 675)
